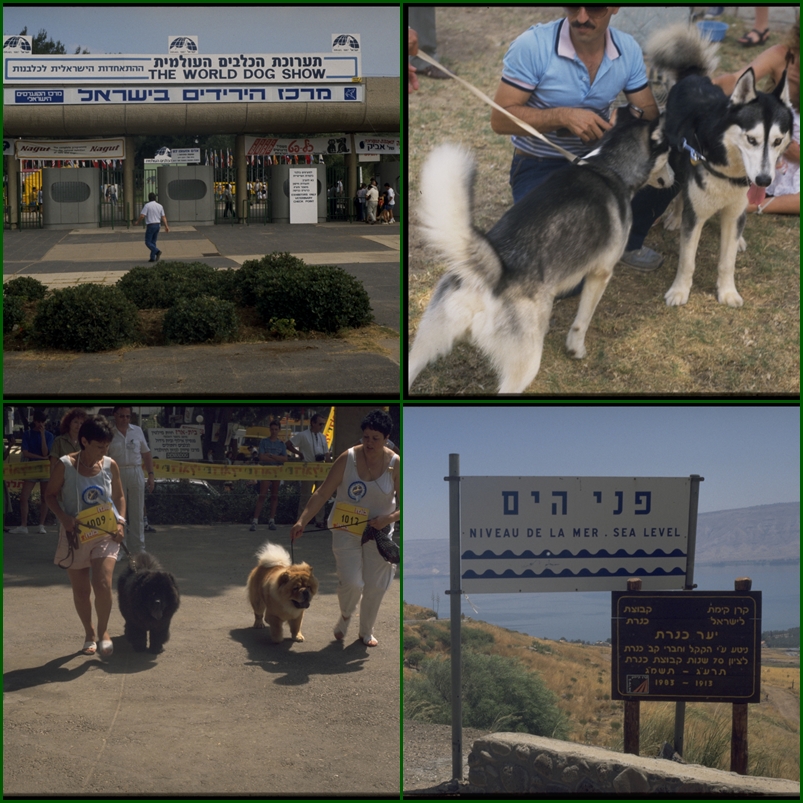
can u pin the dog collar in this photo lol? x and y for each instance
(694, 156)
(697, 158)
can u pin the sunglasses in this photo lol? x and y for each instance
(592, 11)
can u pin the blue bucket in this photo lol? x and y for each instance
(715, 31)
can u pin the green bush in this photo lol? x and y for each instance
(13, 312)
(200, 320)
(282, 328)
(499, 693)
(25, 287)
(166, 283)
(323, 298)
(241, 285)
(87, 317)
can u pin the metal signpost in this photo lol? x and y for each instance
(531, 534)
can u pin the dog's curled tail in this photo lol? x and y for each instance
(681, 50)
(447, 184)
(273, 555)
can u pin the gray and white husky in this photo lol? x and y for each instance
(499, 287)
(729, 143)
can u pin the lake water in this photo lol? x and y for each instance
(587, 615)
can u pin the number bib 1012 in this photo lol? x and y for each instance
(96, 522)
(350, 518)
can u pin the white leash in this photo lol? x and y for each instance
(572, 157)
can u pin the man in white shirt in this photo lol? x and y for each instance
(130, 450)
(153, 214)
(310, 445)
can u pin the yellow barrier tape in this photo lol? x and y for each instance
(176, 469)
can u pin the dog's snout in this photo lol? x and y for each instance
(661, 182)
(763, 180)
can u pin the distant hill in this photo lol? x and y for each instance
(761, 534)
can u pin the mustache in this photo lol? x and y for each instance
(583, 25)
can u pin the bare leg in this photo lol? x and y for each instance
(79, 580)
(102, 571)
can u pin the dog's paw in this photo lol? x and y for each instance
(741, 245)
(730, 297)
(258, 623)
(676, 297)
(575, 345)
(298, 637)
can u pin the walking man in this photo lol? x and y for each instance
(130, 450)
(310, 445)
(153, 214)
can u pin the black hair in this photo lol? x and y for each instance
(151, 196)
(120, 407)
(39, 415)
(275, 421)
(379, 421)
(95, 428)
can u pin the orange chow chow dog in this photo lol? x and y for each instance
(280, 591)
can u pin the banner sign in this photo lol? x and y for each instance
(183, 155)
(573, 534)
(274, 146)
(371, 143)
(693, 645)
(182, 69)
(177, 444)
(174, 469)
(64, 149)
(106, 95)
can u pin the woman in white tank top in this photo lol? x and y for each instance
(366, 478)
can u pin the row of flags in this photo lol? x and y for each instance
(38, 164)
(224, 159)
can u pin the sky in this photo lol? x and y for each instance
(748, 455)
(221, 30)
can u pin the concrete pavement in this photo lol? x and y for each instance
(369, 366)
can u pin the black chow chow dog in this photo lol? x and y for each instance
(148, 597)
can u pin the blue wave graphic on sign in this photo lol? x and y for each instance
(510, 574)
(583, 553)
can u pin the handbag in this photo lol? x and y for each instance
(384, 544)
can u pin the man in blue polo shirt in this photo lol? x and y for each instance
(562, 78)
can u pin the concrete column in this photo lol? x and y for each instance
(242, 176)
(13, 191)
(128, 181)
(352, 182)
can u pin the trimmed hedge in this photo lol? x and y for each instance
(200, 320)
(323, 298)
(25, 287)
(88, 317)
(164, 284)
(13, 312)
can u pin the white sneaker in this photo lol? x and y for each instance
(19, 531)
(42, 529)
(271, 525)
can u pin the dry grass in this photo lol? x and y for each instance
(580, 676)
(636, 344)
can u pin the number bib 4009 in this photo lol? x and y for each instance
(94, 520)
(350, 518)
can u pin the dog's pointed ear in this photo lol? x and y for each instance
(781, 90)
(745, 89)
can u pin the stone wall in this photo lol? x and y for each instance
(517, 763)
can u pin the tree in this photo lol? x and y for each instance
(44, 46)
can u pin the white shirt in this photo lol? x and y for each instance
(310, 443)
(127, 450)
(154, 212)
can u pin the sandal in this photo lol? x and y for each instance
(747, 41)
(341, 627)
(89, 648)
(106, 649)
(369, 641)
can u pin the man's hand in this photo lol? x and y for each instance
(585, 124)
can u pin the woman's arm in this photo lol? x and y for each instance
(318, 499)
(54, 486)
(118, 497)
(381, 521)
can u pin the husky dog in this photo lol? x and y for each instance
(719, 146)
(499, 287)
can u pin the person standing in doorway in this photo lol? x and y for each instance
(130, 450)
(228, 198)
(153, 214)
(371, 201)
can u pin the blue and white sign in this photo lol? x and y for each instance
(134, 70)
(345, 43)
(177, 45)
(40, 96)
(18, 45)
(573, 533)
(303, 193)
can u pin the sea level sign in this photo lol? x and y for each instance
(688, 645)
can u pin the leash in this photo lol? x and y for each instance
(335, 527)
(71, 548)
(572, 157)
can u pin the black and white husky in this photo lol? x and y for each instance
(719, 146)
(499, 287)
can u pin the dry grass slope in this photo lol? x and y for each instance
(580, 675)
